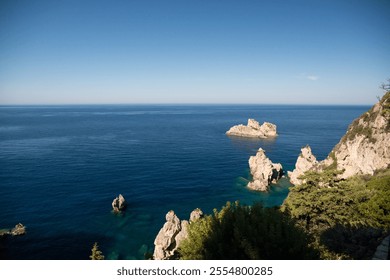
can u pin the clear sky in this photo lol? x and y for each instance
(193, 51)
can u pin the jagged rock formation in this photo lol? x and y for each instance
(305, 162)
(364, 148)
(196, 215)
(253, 129)
(118, 204)
(264, 171)
(19, 229)
(172, 234)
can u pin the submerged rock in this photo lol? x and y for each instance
(119, 204)
(306, 161)
(253, 129)
(264, 171)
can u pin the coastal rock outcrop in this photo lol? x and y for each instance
(165, 242)
(172, 234)
(196, 215)
(306, 161)
(264, 171)
(119, 204)
(19, 229)
(364, 148)
(253, 129)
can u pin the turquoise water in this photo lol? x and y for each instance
(61, 167)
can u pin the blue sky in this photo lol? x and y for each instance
(193, 51)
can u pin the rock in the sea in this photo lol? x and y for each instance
(19, 229)
(264, 171)
(172, 234)
(253, 129)
(306, 161)
(119, 204)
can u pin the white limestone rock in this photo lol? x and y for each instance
(196, 215)
(364, 149)
(264, 171)
(253, 129)
(306, 161)
(366, 146)
(119, 204)
(172, 234)
(19, 229)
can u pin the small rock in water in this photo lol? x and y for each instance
(19, 229)
(119, 204)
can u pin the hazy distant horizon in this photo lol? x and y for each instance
(147, 52)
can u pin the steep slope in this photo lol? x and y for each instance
(365, 147)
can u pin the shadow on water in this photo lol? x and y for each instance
(58, 247)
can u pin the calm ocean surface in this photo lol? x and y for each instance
(61, 167)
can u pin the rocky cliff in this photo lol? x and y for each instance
(172, 234)
(306, 161)
(364, 148)
(264, 171)
(253, 129)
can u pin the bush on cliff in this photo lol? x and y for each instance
(245, 232)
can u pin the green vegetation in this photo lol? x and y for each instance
(346, 218)
(96, 253)
(244, 232)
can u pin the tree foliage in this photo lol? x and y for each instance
(96, 253)
(246, 232)
(346, 217)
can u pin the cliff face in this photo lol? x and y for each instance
(306, 161)
(365, 147)
(173, 232)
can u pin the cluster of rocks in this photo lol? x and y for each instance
(172, 234)
(253, 129)
(19, 229)
(119, 204)
(264, 171)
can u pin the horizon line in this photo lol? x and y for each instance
(179, 104)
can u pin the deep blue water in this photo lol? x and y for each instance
(61, 167)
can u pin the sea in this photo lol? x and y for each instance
(61, 167)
